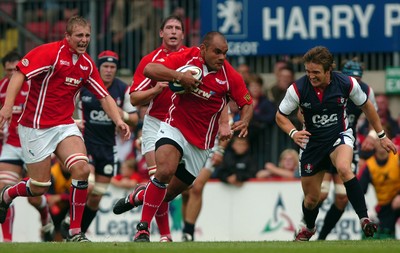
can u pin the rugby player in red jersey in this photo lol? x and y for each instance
(187, 134)
(56, 71)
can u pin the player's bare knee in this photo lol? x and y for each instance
(37, 188)
(345, 173)
(311, 201)
(197, 190)
(164, 176)
(77, 164)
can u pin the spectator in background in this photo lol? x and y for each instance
(382, 101)
(130, 22)
(12, 162)
(384, 113)
(281, 63)
(128, 177)
(382, 171)
(288, 166)
(238, 164)
(264, 110)
(285, 77)
(244, 70)
(262, 120)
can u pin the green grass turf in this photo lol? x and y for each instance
(362, 246)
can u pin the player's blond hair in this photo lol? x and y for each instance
(74, 21)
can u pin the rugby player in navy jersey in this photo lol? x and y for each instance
(327, 138)
(99, 133)
(350, 68)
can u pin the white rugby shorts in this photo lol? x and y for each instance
(37, 144)
(11, 153)
(150, 129)
(193, 157)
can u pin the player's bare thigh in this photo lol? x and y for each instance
(40, 171)
(341, 158)
(74, 145)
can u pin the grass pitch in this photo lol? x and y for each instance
(363, 246)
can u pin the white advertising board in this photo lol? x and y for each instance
(257, 211)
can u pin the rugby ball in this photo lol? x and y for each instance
(177, 87)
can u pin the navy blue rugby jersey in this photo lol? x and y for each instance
(99, 128)
(324, 114)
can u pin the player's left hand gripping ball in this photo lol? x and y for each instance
(176, 86)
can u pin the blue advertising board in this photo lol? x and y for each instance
(265, 27)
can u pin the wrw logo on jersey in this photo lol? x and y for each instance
(72, 81)
(201, 93)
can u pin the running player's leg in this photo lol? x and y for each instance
(311, 187)
(104, 164)
(168, 157)
(47, 230)
(72, 152)
(9, 175)
(337, 207)
(341, 158)
(194, 204)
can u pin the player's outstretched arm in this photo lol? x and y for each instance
(111, 108)
(143, 97)
(373, 118)
(245, 116)
(16, 82)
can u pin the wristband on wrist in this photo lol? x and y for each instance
(152, 170)
(125, 116)
(292, 132)
(382, 135)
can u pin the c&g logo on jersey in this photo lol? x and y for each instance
(324, 120)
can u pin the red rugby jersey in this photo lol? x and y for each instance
(159, 105)
(56, 75)
(196, 114)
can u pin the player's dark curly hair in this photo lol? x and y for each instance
(320, 55)
(172, 17)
